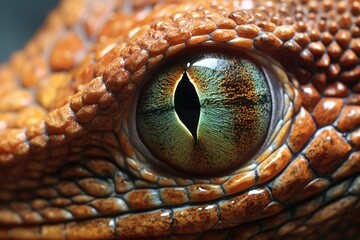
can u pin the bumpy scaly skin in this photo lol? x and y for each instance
(67, 166)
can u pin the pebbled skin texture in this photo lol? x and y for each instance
(68, 167)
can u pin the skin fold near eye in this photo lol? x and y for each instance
(205, 113)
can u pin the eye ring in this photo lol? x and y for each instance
(269, 68)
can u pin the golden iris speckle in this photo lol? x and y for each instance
(205, 114)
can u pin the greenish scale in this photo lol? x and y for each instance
(235, 111)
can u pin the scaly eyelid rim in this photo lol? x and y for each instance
(266, 63)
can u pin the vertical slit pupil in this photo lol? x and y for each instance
(187, 105)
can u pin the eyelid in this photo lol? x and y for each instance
(281, 101)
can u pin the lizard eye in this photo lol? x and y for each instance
(205, 113)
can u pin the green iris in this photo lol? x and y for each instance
(205, 114)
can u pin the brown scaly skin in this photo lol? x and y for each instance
(68, 169)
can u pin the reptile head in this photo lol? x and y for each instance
(191, 120)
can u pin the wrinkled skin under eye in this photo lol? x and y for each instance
(205, 114)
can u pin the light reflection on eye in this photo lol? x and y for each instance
(211, 63)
